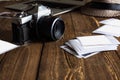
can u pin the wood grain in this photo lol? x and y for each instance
(46, 61)
(59, 65)
(21, 63)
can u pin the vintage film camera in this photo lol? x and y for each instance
(37, 24)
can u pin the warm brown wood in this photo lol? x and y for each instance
(21, 63)
(31, 62)
(60, 65)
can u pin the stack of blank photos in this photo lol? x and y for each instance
(86, 46)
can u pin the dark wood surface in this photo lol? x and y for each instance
(38, 61)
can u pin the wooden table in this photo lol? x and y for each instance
(38, 61)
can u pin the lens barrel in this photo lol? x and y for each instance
(50, 28)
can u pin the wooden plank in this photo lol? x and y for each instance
(57, 64)
(103, 66)
(21, 63)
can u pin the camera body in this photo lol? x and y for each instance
(37, 25)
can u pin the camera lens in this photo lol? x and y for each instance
(50, 28)
(58, 29)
